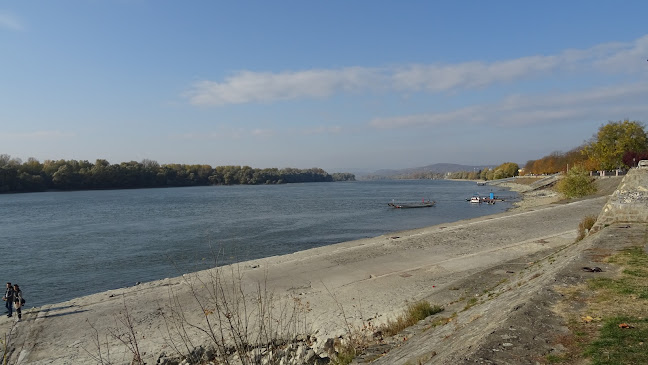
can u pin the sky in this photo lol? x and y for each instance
(340, 85)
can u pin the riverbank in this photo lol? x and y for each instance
(333, 288)
(605, 186)
(530, 199)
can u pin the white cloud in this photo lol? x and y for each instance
(630, 57)
(246, 86)
(613, 103)
(254, 87)
(471, 74)
(10, 22)
(36, 136)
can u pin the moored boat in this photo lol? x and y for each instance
(423, 204)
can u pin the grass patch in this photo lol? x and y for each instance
(618, 345)
(554, 359)
(442, 321)
(413, 313)
(471, 303)
(620, 300)
(345, 356)
(633, 281)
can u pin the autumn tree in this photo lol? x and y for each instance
(507, 169)
(632, 158)
(614, 140)
(559, 161)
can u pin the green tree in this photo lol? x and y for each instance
(343, 176)
(64, 177)
(8, 179)
(615, 139)
(507, 169)
(484, 173)
(577, 183)
(4, 159)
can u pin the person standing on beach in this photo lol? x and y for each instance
(18, 300)
(8, 298)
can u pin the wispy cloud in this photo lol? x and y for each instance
(9, 21)
(258, 87)
(36, 136)
(614, 102)
(322, 130)
(259, 132)
(247, 86)
(225, 134)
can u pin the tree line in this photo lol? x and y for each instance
(32, 175)
(507, 169)
(415, 175)
(616, 145)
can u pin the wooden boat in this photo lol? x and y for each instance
(423, 204)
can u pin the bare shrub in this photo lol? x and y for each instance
(243, 324)
(357, 337)
(124, 332)
(7, 344)
(98, 354)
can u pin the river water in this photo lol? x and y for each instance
(61, 245)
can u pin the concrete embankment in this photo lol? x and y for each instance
(521, 318)
(629, 203)
(356, 282)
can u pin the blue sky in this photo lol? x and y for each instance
(341, 85)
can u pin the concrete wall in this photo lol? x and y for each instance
(629, 203)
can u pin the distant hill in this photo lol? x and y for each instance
(437, 169)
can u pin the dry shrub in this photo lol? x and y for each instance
(414, 313)
(584, 226)
(243, 325)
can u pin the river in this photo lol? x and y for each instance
(61, 245)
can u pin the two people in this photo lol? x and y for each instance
(14, 299)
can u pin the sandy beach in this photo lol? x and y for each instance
(350, 283)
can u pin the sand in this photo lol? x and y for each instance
(351, 283)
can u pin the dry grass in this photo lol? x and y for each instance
(359, 339)
(584, 226)
(414, 313)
